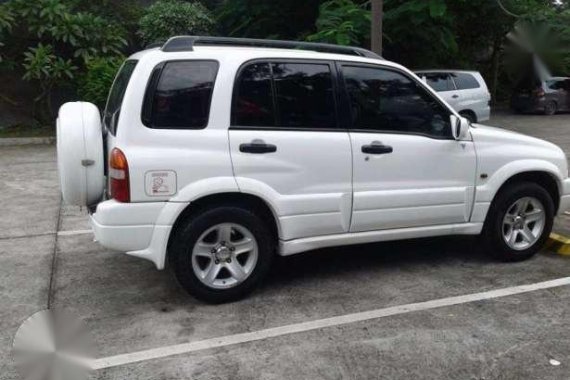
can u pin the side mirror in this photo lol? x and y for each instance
(459, 127)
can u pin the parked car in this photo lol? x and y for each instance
(548, 96)
(214, 154)
(465, 91)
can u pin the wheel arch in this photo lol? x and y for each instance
(470, 112)
(545, 179)
(247, 200)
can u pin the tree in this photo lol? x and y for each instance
(377, 15)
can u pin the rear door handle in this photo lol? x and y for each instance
(257, 147)
(377, 148)
(455, 96)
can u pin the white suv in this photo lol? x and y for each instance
(465, 91)
(220, 153)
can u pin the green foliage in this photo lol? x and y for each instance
(52, 42)
(95, 84)
(282, 19)
(342, 22)
(167, 18)
(6, 21)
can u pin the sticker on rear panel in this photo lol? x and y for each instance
(160, 183)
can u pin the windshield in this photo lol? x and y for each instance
(111, 114)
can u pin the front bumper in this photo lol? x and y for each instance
(139, 229)
(565, 197)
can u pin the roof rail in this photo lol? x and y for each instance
(187, 43)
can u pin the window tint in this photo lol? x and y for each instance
(386, 100)
(254, 103)
(304, 95)
(182, 96)
(113, 107)
(439, 82)
(465, 81)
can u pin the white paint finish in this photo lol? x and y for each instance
(113, 213)
(420, 172)
(122, 238)
(502, 154)
(318, 324)
(307, 179)
(292, 247)
(156, 249)
(80, 155)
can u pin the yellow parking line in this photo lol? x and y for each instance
(558, 244)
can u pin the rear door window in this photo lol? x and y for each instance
(277, 95)
(181, 97)
(465, 81)
(113, 107)
(440, 82)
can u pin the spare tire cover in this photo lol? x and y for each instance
(80, 154)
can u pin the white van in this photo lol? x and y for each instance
(465, 91)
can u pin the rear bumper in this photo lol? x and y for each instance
(139, 229)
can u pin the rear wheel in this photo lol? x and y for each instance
(222, 254)
(519, 222)
(550, 108)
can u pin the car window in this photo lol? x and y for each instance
(112, 109)
(304, 95)
(465, 81)
(439, 81)
(556, 84)
(387, 100)
(181, 99)
(285, 94)
(254, 102)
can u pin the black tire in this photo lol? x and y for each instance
(469, 116)
(492, 234)
(550, 108)
(187, 235)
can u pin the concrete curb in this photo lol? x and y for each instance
(558, 244)
(13, 141)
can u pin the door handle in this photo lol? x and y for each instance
(377, 148)
(257, 147)
(455, 96)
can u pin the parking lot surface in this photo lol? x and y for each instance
(48, 259)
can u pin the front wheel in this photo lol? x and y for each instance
(519, 222)
(221, 254)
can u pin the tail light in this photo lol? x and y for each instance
(539, 92)
(119, 176)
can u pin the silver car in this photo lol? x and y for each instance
(466, 91)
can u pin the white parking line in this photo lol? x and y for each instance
(75, 232)
(163, 352)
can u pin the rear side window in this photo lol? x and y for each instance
(465, 81)
(284, 95)
(180, 94)
(439, 82)
(113, 107)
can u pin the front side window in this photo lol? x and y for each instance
(439, 82)
(465, 81)
(182, 96)
(387, 100)
(284, 95)
(115, 100)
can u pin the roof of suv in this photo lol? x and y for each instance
(201, 47)
(446, 71)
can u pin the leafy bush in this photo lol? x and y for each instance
(95, 84)
(167, 18)
(57, 41)
(342, 22)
